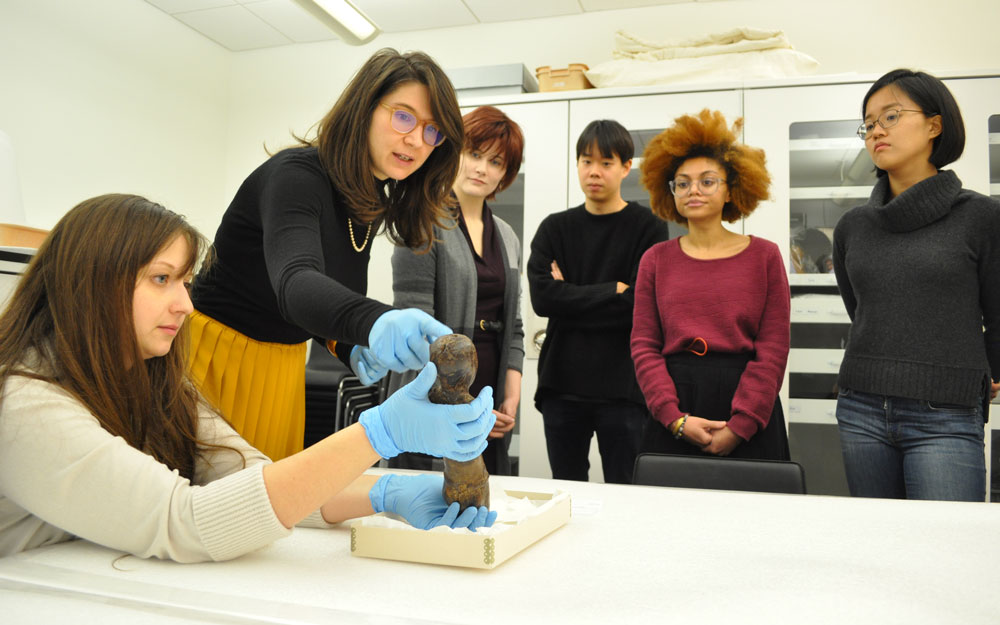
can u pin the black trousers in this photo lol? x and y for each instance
(705, 388)
(569, 426)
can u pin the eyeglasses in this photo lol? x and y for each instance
(683, 186)
(886, 120)
(403, 122)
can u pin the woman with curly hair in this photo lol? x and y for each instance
(711, 320)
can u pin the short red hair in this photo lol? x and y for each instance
(488, 128)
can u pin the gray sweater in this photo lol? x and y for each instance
(443, 283)
(920, 277)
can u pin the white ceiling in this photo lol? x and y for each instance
(249, 24)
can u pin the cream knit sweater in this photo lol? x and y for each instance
(63, 476)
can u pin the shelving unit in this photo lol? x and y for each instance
(820, 170)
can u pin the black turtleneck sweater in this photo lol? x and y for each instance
(285, 270)
(920, 276)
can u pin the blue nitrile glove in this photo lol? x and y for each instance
(400, 339)
(408, 421)
(365, 366)
(419, 500)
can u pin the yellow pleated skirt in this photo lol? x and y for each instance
(259, 387)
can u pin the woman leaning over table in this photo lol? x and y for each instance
(710, 333)
(471, 277)
(104, 437)
(918, 267)
(292, 251)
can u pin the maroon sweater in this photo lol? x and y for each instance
(738, 304)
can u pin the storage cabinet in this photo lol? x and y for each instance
(819, 168)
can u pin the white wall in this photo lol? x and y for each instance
(112, 96)
(289, 88)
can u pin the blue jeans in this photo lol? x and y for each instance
(569, 426)
(911, 449)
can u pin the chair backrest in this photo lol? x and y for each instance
(13, 262)
(766, 476)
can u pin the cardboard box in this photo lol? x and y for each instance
(565, 79)
(468, 549)
(491, 80)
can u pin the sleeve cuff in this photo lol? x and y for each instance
(315, 521)
(668, 414)
(743, 426)
(234, 515)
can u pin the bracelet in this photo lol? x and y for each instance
(679, 432)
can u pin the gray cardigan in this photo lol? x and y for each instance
(443, 283)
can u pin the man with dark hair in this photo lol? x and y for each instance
(581, 270)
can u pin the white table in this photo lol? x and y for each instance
(628, 554)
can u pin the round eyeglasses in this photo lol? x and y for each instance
(886, 120)
(683, 186)
(403, 122)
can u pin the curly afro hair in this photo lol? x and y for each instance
(706, 135)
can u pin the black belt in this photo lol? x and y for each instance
(490, 326)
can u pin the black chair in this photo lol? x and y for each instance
(325, 376)
(766, 476)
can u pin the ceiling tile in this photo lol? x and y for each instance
(181, 6)
(234, 28)
(393, 16)
(607, 5)
(494, 11)
(291, 20)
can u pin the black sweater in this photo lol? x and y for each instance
(285, 270)
(920, 276)
(586, 353)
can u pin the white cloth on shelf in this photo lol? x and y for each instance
(736, 54)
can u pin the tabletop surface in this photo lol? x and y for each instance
(628, 553)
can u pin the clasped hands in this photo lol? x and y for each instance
(712, 437)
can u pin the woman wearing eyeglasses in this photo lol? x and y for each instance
(917, 268)
(710, 329)
(292, 251)
(470, 279)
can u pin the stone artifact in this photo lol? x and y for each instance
(454, 355)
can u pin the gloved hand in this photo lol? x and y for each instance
(408, 421)
(400, 339)
(419, 500)
(365, 366)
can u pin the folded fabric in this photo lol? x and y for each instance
(740, 66)
(629, 46)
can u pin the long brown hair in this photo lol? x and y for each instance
(417, 203)
(73, 309)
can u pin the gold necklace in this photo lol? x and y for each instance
(350, 230)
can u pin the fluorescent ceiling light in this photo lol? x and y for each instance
(342, 17)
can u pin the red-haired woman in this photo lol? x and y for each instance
(710, 330)
(470, 279)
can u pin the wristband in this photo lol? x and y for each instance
(679, 432)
